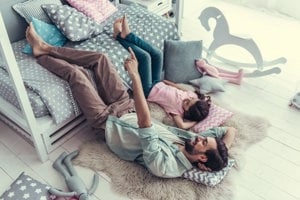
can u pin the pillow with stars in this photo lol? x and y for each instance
(73, 24)
(25, 187)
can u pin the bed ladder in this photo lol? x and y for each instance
(14, 72)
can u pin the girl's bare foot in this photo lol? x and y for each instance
(117, 27)
(39, 47)
(200, 62)
(240, 76)
(125, 27)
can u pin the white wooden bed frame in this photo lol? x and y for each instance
(42, 132)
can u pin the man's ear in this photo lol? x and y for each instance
(202, 158)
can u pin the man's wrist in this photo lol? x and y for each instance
(134, 75)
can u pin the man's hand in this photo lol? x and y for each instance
(203, 167)
(141, 106)
(131, 64)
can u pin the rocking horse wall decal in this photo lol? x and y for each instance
(223, 37)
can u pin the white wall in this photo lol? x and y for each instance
(288, 7)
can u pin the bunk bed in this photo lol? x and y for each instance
(38, 104)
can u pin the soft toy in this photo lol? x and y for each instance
(63, 164)
(205, 68)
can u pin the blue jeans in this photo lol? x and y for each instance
(150, 60)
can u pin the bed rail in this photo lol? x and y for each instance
(14, 72)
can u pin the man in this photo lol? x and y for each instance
(130, 131)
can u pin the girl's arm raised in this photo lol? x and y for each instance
(180, 123)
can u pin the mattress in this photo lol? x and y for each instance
(48, 94)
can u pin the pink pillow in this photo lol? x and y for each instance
(216, 117)
(98, 10)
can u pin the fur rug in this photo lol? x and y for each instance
(134, 181)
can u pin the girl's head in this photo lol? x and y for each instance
(196, 109)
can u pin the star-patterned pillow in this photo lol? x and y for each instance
(25, 187)
(73, 24)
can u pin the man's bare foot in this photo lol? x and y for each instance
(117, 27)
(125, 27)
(39, 47)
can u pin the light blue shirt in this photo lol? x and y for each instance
(150, 147)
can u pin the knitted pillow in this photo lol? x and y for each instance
(98, 10)
(216, 116)
(208, 178)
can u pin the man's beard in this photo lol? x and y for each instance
(189, 147)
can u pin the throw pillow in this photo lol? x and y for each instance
(216, 116)
(208, 84)
(48, 32)
(98, 10)
(208, 178)
(73, 24)
(32, 8)
(25, 187)
(179, 60)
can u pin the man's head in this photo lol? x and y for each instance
(212, 152)
(196, 109)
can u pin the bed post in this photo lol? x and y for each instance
(116, 2)
(178, 15)
(14, 72)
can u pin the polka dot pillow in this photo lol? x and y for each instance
(98, 10)
(32, 8)
(216, 116)
(48, 32)
(73, 24)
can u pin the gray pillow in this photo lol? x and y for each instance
(73, 24)
(179, 60)
(32, 8)
(208, 84)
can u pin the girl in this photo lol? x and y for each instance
(186, 107)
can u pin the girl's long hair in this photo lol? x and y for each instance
(199, 110)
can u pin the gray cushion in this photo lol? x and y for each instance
(179, 60)
(208, 84)
(32, 8)
(73, 24)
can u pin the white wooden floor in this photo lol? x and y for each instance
(272, 169)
